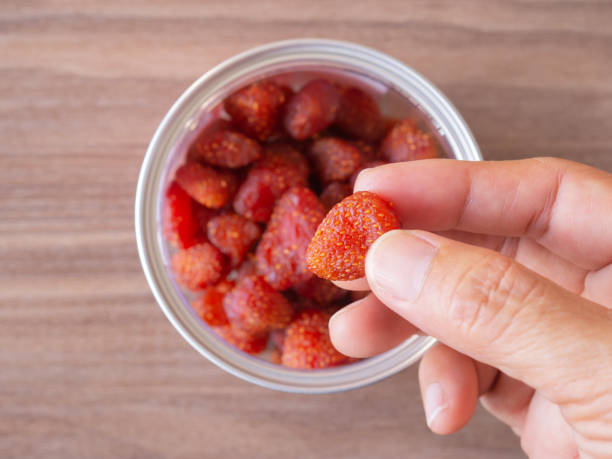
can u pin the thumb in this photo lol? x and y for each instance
(493, 309)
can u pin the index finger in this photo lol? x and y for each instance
(565, 206)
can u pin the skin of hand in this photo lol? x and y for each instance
(509, 266)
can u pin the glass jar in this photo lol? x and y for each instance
(401, 92)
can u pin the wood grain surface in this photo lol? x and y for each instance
(89, 366)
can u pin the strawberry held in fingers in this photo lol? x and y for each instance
(338, 249)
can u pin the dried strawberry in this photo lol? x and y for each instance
(338, 249)
(405, 142)
(359, 116)
(226, 148)
(209, 306)
(320, 290)
(281, 252)
(179, 223)
(257, 109)
(280, 156)
(255, 198)
(193, 154)
(233, 235)
(206, 185)
(334, 158)
(368, 151)
(311, 110)
(280, 168)
(367, 165)
(199, 266)
(251, 344)
(333, 193)
(255, 307)
(307, 344)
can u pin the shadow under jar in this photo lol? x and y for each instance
(401, 93)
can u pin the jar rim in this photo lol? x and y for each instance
(153, 171)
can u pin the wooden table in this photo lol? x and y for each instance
(89, 367)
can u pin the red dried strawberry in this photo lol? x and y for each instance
(255, 199)
(311, 109)
(199, 266)
(233, 235)
(367, 165)
(257, 109)
(278, 157)
(334, 158)
(281, 252)
(179, 224)
(206, 185)
(307, 344)
(193, 154)
(209, 306)
(281, 167)
(320, 290)
(333, 193)
(368, 151)
(255, 307)
(405, 142)
(359, 116)
(338, 249)
(226, 148)
(251, 344)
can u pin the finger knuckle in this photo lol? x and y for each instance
(490, 295)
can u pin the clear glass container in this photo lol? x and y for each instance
(401, 92)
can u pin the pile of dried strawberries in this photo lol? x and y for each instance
(244, 207)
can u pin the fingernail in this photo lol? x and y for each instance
(339, 313)
(360, 178)
(397, 264)
(340, 331)
(435, 402)
(367, 178)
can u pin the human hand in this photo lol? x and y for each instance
(509, 266)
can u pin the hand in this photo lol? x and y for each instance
(509, 266)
